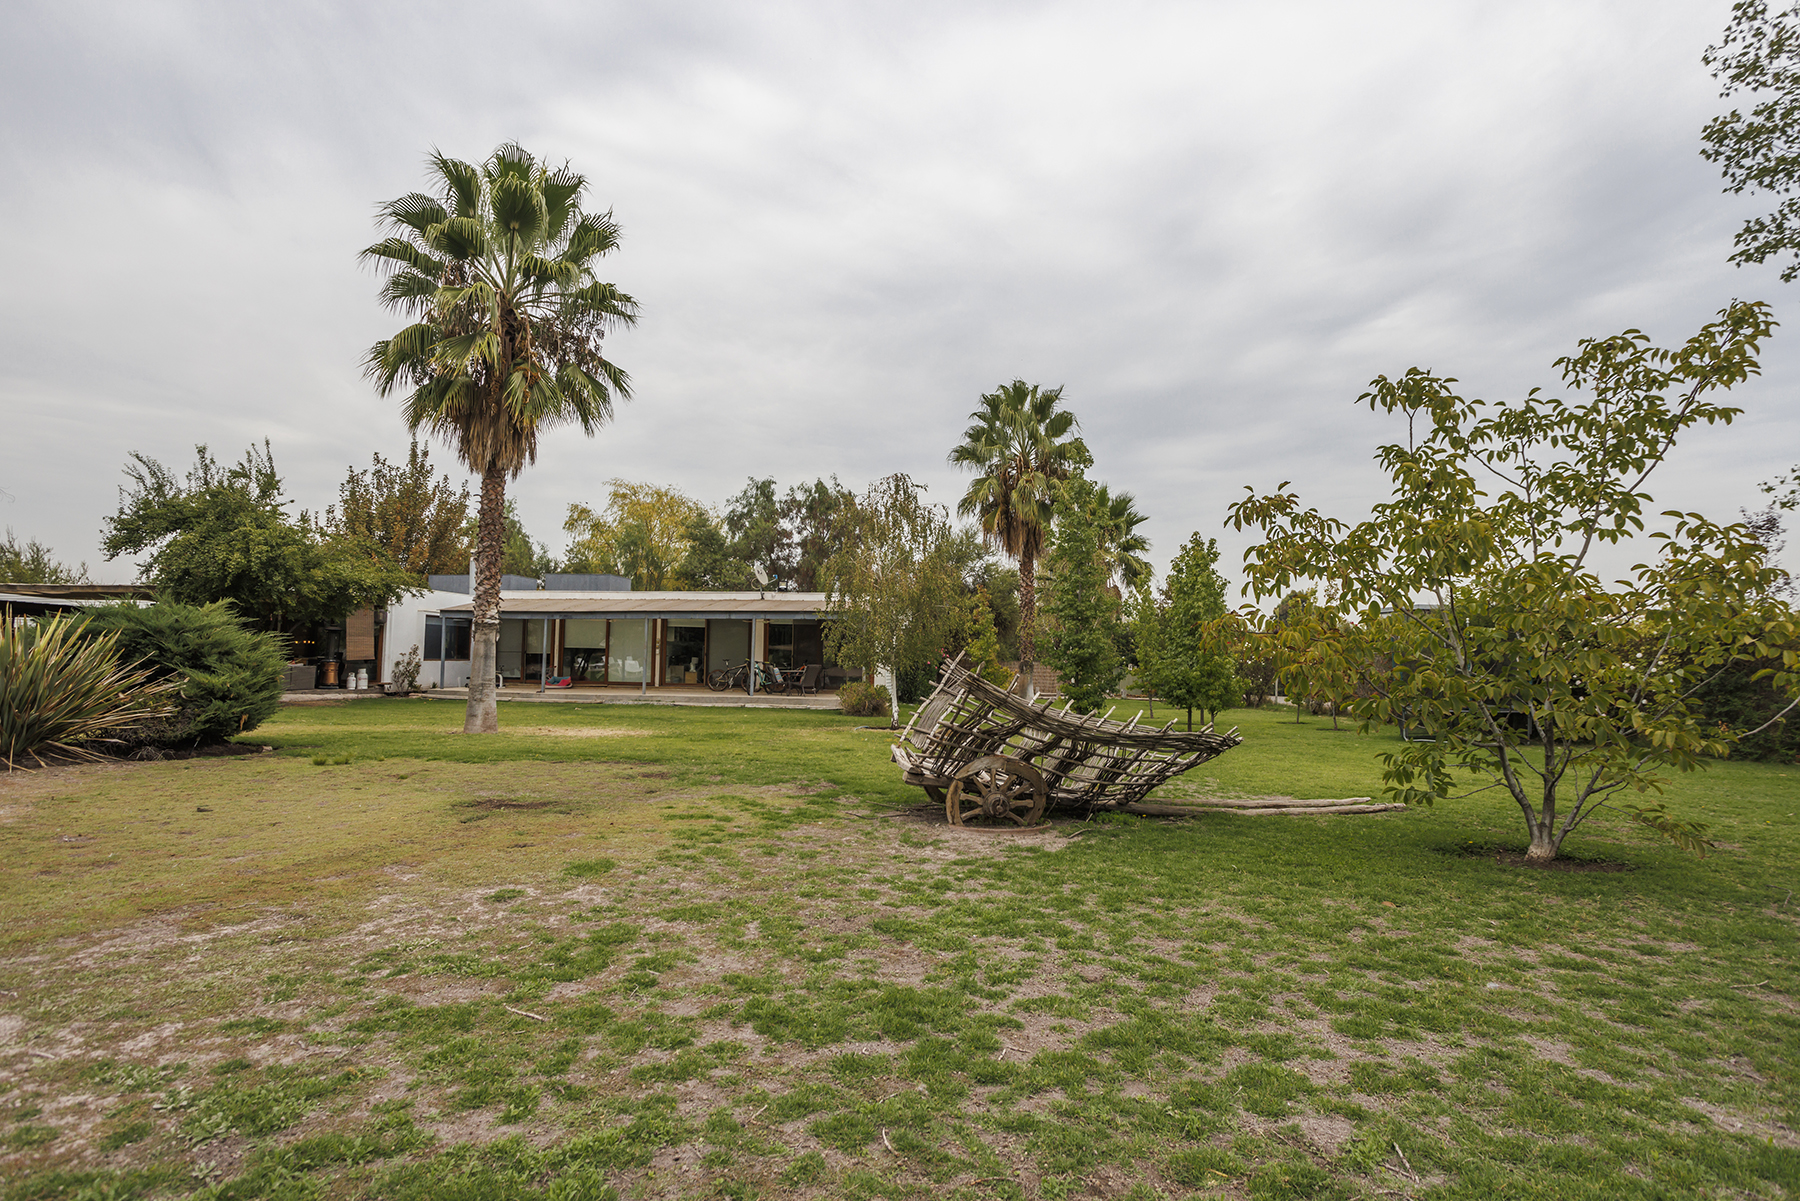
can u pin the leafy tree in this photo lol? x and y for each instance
(497, 269)
(711, 562)
(642, 533)
(759, 537)
(419, 521)
(520, 553)
(1082, 611)
(1473, 585)
(1122, 548)
(1757, 151)
(982, 644)
(1020, 444)
(35, 563)
(812, 514)
(1000, 583)
(896, 582)
(221, 534)
(1180, 654)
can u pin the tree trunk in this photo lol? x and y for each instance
(1542, 825)
(1028, 624)
(483, 715)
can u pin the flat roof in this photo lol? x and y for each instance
(97, 593)
(719, 605)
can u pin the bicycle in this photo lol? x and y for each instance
(768, 679)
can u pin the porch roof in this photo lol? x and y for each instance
(738, 606)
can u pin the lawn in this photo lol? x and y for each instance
(633, 952)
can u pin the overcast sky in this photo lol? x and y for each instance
(1212, 222)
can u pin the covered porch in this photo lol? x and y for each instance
(666, 642)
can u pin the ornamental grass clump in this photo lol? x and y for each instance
(61, 692)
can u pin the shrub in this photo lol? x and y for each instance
(406, 670)
(230, 678)
(59, 691)
(864, 700)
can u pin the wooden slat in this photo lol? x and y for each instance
(359, 635)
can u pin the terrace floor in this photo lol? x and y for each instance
(685, 695)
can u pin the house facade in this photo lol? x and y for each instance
(602, 634)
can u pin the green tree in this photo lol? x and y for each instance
(1122, 547)
(1180, 654)
(982, 640)
(896, 582)
(497, 269)
(35, 563)
(1080, 608)
(416, 519)
(642, 533)
(1000, 584)
(1020, 444)
(1757, 151)
(711, 561)
(1479, 618)
(759, 536)
(222, 533)
(812, 514)
(520, 553)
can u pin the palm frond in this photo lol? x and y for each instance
(462, 184)
(392, 254)
(517, 208)
(601, 300)
(510, 161)
(459, 238)
(562, 199)
(594, 235)
(415, 211)
(409, 291)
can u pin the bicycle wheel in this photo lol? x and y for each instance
(719, 680)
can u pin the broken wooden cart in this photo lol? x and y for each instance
(994, 758)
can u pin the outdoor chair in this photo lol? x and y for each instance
(809, 680)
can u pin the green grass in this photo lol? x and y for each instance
(691, 958)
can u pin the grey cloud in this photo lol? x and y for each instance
(1214, 223)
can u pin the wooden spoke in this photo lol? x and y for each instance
(996, 790)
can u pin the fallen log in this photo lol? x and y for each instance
(1149, 809)
(1268, 802)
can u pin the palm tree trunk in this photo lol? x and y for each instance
(1028, 623)
(483, 715)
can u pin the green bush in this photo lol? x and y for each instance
(864, 700)
(60, 691)
(231, 678)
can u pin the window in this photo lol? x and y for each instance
(456, 638)
(781, 644)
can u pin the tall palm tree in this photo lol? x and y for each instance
(1122, 548)
(1020, 445)
(497, 270)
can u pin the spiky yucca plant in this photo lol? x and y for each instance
(58, 690)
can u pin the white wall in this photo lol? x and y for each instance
(406, 629)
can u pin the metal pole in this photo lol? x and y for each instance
(442, 648)
(752, 664)
(544, 657)
(644, 668)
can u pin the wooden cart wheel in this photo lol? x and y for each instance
(996, 790)
(935, 793)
